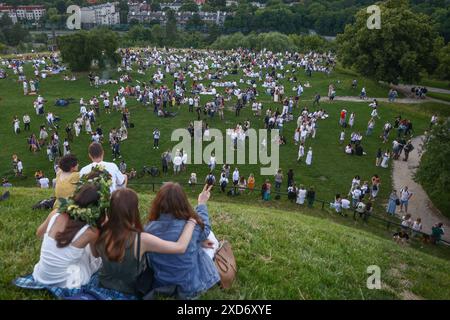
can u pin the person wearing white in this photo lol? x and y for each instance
(87, 126)
(70, 266)
(301, 195)
(309, 157)
(19, 167)
(351, 121)
(44, 182)
(96, 153)
(301, 152)
(212, 162)
(345, 203)
(16, 125)
(374, 114)
(384, 162)
(235, 176)
(177, 161)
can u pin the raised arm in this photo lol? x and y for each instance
(202, 211)
(151, 243)
(43, 227)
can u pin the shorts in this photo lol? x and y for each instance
(404, 202)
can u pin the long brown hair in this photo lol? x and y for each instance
(123, 220)
(172, 199)
(87, 195)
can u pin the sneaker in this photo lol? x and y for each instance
(114, 159)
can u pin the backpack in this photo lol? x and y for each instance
(44, 204)
(210, 180)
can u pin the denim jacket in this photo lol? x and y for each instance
(192, 272)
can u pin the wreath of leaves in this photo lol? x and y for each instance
(91, 213)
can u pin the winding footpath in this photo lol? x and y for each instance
(420, 205)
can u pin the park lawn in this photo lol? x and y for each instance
(331, 172)
(280, 254)
(442, 84)
(438, 95)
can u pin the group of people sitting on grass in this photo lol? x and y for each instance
(96, 229)
(360, 197)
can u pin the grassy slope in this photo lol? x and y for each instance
(137, 151)
(440, 96)
(280, 254)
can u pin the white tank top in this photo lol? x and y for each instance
(68, 267)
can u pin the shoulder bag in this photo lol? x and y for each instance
(225, 264)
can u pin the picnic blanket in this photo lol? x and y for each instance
(90, 291)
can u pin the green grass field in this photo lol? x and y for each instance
(331, 172)
(283, 252)
(280, 254)
(440, 96)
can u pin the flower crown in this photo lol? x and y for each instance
(93, 212)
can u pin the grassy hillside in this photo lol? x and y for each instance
(281, 254)
(137, 151)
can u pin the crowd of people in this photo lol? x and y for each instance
(264, 75)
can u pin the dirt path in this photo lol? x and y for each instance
(419, 205)
(401, 100)
(407, 87)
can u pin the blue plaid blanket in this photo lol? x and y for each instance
(90, 291)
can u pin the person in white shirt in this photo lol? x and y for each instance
(212, 162)
(44, 182)
(177, 161)
(345, 203)
(342, 137)
(19, 167)
(236, 176)
(374, 114)
(356, 195)
(417, 227)
(26, 122)
(405, 195)
(96, 154)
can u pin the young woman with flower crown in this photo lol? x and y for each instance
(70, 232)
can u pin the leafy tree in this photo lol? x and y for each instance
(61, 6)
(434, 169)
(189, 6)
(14, 34)
(171, 27)
(443, 69)
(155, 5)
(158, 35)
(195, 22)
(3, 48)
(400, 50)
(123, 11)
(80, 49)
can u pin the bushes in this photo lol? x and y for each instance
(434, 169)
(273, 41)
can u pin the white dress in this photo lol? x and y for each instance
(66, 148)
(301, 195)
(301, 151)
(384, 163)
(296, 136)
(309, 158)
(65, 267)
(351, 121)
(77, 128)
(16, 126)
(88, 126)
